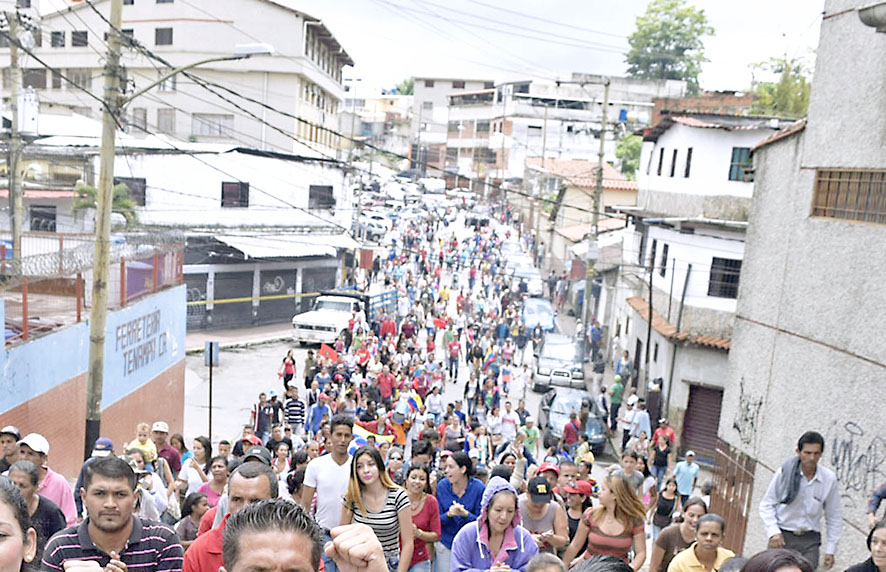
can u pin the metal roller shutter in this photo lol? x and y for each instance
(701, 422)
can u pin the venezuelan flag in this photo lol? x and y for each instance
(361, 433)
(415, 401)
(490, 357)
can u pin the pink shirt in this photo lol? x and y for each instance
(55, 487)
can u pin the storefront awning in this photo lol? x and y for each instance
(288, 245)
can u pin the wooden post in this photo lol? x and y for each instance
(25, 310)
(122, 283)
(79, 289)
(155, 272)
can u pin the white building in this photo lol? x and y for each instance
(686, 237)
(491, 132)
(430, 114)
(303, 79)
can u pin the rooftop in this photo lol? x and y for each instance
(581, 173)
(663, 327)
(717, 121)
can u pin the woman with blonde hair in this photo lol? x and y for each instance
(373, 499)
(613, 527)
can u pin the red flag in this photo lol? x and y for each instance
(328, 353)
(439, 323)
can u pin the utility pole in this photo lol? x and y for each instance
(418, 144)
(101, 269)
(502, 186)
(595, 215)
(15, 139)
(544, 138)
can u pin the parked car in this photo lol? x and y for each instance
(558, 352)
(478, 216)
(371, 229)
(379, 217)
(538, 311)
(553, 414)
(535, 285)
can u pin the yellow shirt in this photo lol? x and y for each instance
(686, 561)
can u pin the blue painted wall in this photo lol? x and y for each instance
(142, 341)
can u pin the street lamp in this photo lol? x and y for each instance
(113, 105)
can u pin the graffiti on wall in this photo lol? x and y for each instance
(858, 459)
(747, 415)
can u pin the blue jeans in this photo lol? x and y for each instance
(423, 566)
(659, 474)
(328, 563)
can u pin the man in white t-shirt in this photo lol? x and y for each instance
(333, 470)
(510, 422)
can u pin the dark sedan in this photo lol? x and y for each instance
(553, 414)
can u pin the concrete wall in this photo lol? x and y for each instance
(184, 191)
(807, 353)
(45, 379)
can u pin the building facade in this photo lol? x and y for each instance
(806, 351)
(683, 250)
(303, 79)
(430, 116)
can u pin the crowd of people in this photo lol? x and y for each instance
(361, 464)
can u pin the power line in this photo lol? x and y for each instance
(536, 18)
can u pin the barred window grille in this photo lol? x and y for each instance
(850, 194)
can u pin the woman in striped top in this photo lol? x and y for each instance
(613, 527)
(373, 499)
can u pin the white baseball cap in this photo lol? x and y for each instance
(37, 442)
(161, 426)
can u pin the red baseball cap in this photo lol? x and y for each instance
(548, 467)
(581, 488)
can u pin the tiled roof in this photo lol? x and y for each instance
(716, 121)
(583, 173)
(783, 134)
(663, 327)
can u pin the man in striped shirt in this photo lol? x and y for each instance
(295, 411)
(112, 536)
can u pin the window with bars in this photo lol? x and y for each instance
(458, 85)
(80, 77)
(163, 36)
(34, 77)
(429, 83)
(168, 84)
(235, 195)
(740, 165)
(482, 126)
(139, 118)
(723, 281)
(136, 188)
(850, 194)
(57, 39)
(79, 39)
(166, 120)
(212, 125)
(320, 197)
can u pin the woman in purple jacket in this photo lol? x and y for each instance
(495, 541)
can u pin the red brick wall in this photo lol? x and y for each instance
(726, 103)
(60, 415)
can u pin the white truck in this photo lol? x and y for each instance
(332, 311)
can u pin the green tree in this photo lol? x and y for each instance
(87, 197)
(628, 154)
(787, 97)
(667, 43)
(406, 86)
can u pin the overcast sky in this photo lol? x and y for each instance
(393, 39)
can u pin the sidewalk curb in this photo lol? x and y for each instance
(241, 344)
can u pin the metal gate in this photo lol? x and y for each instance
(732, 491)
(702, 421)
